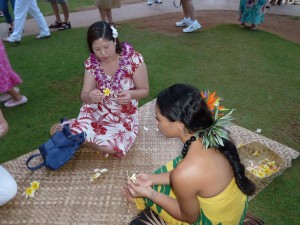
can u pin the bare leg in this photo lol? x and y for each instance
(3, 125)
(15, 95)
(56, 11)
(109, 16)
(188, 9)
(103, 14)
(65, 9)
(184, 7)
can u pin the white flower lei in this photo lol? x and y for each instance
(114, 32)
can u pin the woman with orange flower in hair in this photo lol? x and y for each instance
(206, 184)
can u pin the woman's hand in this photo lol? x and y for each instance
(96, 96)
(124, 97)
(144, 180)
(137, 191)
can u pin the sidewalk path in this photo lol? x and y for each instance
(138, 10)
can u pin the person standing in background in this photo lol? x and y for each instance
(189, 21)
(8, 18)
(8, 80)
(22, 8)
(253, 12)
(105, 7)
(58, 22)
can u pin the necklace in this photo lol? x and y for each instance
(186, 146)
(112, 82)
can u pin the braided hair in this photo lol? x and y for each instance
(183, 102)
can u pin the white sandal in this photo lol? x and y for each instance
(13, 103)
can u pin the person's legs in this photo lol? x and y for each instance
(8, 186)
(190, 11)
(103, 14)
(65, 9)
(5, 10)
(109, 16)
(186, 19)
(55, 8)
(35, 12)
(20, 12)
(17, 98)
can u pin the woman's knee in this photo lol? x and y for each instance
(8, 188)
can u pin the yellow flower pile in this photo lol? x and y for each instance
(265, 168)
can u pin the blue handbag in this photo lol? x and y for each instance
(59, 149)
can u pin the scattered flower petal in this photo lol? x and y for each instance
(256, 153)
(258, 130)
(146, 128)
(239, 145)
(104, 170)
(133, 178)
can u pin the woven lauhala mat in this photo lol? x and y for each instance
(68, 197)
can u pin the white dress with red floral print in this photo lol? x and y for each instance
(108, 123)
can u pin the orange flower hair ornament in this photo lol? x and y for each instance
(212, 136)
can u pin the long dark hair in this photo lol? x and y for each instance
(183, 102)
(103, 30)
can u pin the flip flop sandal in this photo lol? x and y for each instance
(56, 24)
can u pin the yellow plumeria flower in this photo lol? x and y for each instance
(106, 92)
(35, 185)
(29, 192)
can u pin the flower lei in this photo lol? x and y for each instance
(112, 82)
(114, 32)
(212, 136)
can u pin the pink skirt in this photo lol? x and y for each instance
(8, 77)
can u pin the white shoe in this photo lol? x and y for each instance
(149, 2)
(10, 40)
(184, 22)
(13, 103)
(195, 25)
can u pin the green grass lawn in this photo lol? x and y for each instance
(257, 73)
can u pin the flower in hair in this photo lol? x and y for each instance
(212, 136)
(114, 32)
(212, 100)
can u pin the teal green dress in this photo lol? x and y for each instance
(252, 11)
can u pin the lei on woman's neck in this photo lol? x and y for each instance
(124, 61)
(212, 136)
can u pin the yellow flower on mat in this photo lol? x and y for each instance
(106, 92)
(29, 192)
(35, 185)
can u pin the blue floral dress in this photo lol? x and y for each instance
(252, 11)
